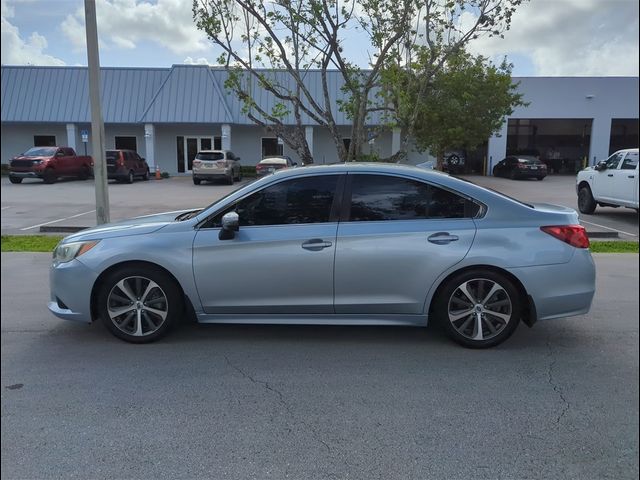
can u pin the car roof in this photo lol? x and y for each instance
(627, 150)
(212, 151)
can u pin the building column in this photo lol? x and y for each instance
(308, 135)
(71, 136)
(600, 140)
(149, 143)
(395, 140)
(226, 137)
(497, 148)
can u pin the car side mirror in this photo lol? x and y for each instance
(601, 165)
(230, 225)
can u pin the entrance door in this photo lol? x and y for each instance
(188, 148)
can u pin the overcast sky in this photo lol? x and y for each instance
(547, 38)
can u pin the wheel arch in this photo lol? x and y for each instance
(188, 305)
(529, 314)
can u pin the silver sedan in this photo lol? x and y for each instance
(348, 244)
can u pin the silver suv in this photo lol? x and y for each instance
(216, 165)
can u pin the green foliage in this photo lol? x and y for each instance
(248, 171)
(615, 246)
(164, 175)
(30, 243)
(462, 105)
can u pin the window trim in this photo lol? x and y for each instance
(338, 200)
(345, 210)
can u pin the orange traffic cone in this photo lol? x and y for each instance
(158, 173)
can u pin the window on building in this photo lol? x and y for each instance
(271, 146)
(44, 140)
(126, 143)
(180, 153)
(217, 143)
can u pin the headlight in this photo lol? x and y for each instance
(68, 251)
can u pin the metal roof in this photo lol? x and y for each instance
(180, 94)
(61, 94)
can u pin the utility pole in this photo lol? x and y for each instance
(97, 124)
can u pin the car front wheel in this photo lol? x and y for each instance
(15, 179)
(586, 202)
(478, 309)
(139, 304)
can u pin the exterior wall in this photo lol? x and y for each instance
(17, 138)
(598, 98)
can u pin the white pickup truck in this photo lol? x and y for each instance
(609, 183)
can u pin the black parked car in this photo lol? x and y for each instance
(521, 166)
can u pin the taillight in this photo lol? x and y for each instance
(259, 167)
(120, 161)
(574, 235)
(196, 163)
(522, 165)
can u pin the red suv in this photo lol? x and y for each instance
(125, 165)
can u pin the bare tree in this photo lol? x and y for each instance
(274, 46)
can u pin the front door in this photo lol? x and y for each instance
(281, 259)
(604, 180)
(188, 148)
(626, 181)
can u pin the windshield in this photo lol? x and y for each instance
(40, 152)
(210, 156)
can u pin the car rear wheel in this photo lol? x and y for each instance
(145, 176)
(130, 177)
(85, 173)
(196, 181)
(478, 309)
(139, 304)
(15, 179)
(586, 202)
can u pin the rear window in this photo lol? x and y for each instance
(529, 161)
(112, 154)
(274, 161)
(210, 156)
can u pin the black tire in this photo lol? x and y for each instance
(513, 175)
(449, 296)
(145, 177)
(49, 176)
(130, 177)
(496, 173)
(586, 202)
(229, 180)
(85, 173)
(540, 178)
(15, 179)
(166, 296)
(196, 181)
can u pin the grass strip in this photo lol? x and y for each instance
(29, 243)
(616, 246)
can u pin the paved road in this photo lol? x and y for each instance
(72, 203)
(258, 402)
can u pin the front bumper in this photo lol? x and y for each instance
(71, 284)
(25, 174)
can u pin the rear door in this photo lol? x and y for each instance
(396, 236)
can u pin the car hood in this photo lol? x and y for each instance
(132, 226)
(23, 157)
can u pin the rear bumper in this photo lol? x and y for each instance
(211, 174)
(536, 174)
(560, 290)
(25, 174)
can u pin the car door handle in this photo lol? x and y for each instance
(610, 175)
(631, 176)
(442, 238)
(316, 244)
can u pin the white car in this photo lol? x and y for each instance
(609, 183)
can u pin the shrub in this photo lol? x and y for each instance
(164, 174)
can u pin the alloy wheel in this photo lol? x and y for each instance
(137, 306)
(480, 309)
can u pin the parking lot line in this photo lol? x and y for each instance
(609, 228)
(58, 220)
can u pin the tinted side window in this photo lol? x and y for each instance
(614, 160)
(379, 197)
(631, 161)
(304, 200)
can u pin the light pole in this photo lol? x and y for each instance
(97, 124)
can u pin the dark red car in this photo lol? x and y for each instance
(49, 164)
(126, 165)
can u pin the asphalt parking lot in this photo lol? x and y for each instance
(559, 400)
(30, 205)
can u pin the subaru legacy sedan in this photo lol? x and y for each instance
(347, 244)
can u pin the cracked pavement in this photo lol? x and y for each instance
(559, 400)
